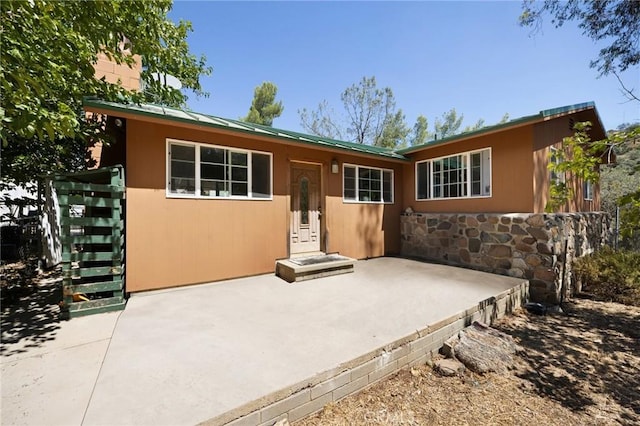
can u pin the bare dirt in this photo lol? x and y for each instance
(574, 368)
(29, 305)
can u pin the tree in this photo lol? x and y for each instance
(47, 56)
(580, 158)
(371, 116)
(321, 122)
(615, 22)
(449, 124)
(264, 107)
(394, 131)
(420, 133)
(478, 125)
(620, 186)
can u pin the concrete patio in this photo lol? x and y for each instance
(250, 350)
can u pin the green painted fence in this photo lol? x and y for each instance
(92, 237)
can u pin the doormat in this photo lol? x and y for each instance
(313, 260)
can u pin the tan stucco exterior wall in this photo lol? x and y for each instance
(511, 171)
(173, 242)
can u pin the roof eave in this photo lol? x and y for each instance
(102, 107)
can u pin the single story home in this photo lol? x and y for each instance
(209, 198)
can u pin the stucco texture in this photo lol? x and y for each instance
(172, 242)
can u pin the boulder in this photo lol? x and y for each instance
(483, 349)
(449, 367)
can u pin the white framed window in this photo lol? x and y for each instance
(463, 175)
(587, 190)
(196, 170)
(367, 184)
(555, 158)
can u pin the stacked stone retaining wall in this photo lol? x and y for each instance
(538, 247)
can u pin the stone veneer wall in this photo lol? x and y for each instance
(532, 246)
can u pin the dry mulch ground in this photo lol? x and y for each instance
(574, 368)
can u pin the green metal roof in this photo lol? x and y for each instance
(174, 114)
(566, 109)
(515, 122)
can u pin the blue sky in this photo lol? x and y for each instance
(471, 56)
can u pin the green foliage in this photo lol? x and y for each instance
(620, 183)
(611, 275)
(478, 125)
(420, 132)
(264, 107)
(46, 64)
(394, 131)
(372, 114)
(615, 22)
(559, 194)
(449, 125)
(630, 220)
(371, 117)
(579, 158)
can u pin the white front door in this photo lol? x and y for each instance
(305, 208)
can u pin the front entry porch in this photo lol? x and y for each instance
(320, 265)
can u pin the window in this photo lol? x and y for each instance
(367, 184)
(457, 176)
(587, 190)
(208, 171)
(555, 158)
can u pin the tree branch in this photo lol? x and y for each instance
(628, 93)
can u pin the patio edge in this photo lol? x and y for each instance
(311, 395)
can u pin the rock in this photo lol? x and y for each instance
(449, 367)
(483, 349)
(500, 251)
(544, 274)
(539, 233)
(533, 260)
(536, 220)
(555, 309)
(282, 422)
(517, 230)
(449, 346)
(444, 225)
(474, 245)
(536, 308)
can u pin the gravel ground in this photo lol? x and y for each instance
(574, 368)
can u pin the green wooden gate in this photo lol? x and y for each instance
(92, 238)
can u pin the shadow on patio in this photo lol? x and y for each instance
(30, 312)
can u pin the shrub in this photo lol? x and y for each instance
(611, 275)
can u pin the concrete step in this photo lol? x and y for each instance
(315, 266)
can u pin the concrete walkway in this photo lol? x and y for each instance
(188, 355)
